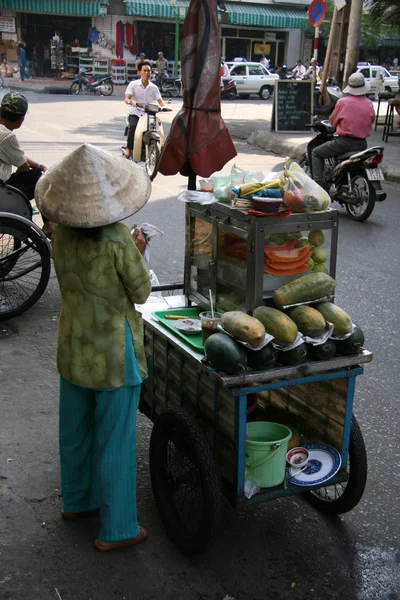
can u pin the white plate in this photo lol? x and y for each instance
(324, 462)
(188, 326)
(375, 174)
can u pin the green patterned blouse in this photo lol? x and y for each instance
(99, 279)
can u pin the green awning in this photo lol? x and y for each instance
(389, 42)
(254, 15)
(262, 15)
(81, 8)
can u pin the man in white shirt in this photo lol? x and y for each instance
(13, 109)
(299, 70)
(139, 93)
(265, 61)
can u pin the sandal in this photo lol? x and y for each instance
(105, 546)
(72, 516)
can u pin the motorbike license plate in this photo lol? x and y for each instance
(375, 174)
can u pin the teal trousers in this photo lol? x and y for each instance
(98, 456)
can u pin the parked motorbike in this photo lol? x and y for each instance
(168, 86)
(229, 91)
(84, 83)
(149, 138)
(354, 178)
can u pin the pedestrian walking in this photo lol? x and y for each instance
(22, 62)
(100, 350)
(379, 82)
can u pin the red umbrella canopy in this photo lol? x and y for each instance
(199, 142)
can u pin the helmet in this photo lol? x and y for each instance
(161, 54)
(142, 54)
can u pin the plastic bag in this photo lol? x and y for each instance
(236, 177)
(223, 193)
(149, 232)
(198, 197)
(300, 192)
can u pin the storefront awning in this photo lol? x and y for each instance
(389, 42)
(255, 15)
(81, 8)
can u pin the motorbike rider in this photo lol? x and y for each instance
(299, 69)
(161, 65)
(13, 109)
(312, 71)
(141, 91)
(352, 118)
(141, 58)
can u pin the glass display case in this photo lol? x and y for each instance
(242, 259)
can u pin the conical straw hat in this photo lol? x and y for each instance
(91, 188)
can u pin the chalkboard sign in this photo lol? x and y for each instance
(293, 105)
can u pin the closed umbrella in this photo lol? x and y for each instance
(199, 142)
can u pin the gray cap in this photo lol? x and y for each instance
(357, 86)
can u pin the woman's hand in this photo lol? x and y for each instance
(140, 239)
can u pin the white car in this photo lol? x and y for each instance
(391, 82)
(252, 78)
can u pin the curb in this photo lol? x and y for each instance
(272, 143)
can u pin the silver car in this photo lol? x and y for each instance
(252, 78)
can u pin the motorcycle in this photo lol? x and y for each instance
(82, 82)
(229, 91)
(334, 93)
(168, 86)
(149, 138)
(354, 178)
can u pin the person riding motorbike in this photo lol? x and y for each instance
(299, 69)
(13, 109)
(352, 118)
(312, 71)
(140, 92)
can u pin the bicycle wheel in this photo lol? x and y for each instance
(24, 267)
(186, 482)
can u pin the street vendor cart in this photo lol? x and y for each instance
(198, 450)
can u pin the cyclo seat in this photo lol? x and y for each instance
(14, 201)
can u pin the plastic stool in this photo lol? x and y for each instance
(382, 96)
(389, 120)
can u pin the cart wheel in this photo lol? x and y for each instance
(186, 482)
(343, 497)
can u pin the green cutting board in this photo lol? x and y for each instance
(195, 340)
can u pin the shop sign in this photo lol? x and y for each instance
(269, 36)
(7, 24)
(262, 49)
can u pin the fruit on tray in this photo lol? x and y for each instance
(285, 273)
(281, 241)
(243, 327)
(293, 357)
(260, 360)
(324, 351)
(316, 237)
(277, 324)
(225, 354)
(309, 321)
(320, 269)
(304, 289)
(353, 344)
(336, 315)
(303, 241)
(318, 255)
(286, 256)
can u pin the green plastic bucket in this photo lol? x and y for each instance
(266, 449)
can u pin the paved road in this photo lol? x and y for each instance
(283, 549)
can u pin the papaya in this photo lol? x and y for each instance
(287, 255)
(324, 351)
(295, 271)
(276, 323)
(260, 360)
(286, 266)
(293, 357)
(243, 327)
(353, 344)
(225, 354)
(304, 289)
(288, 245)
(336, 315)
(309, 321)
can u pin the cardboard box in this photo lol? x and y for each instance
(12, 55)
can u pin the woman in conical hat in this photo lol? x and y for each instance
(100, 352)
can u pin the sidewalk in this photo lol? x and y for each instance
(293, 145)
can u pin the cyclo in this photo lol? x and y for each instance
(25, 254)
